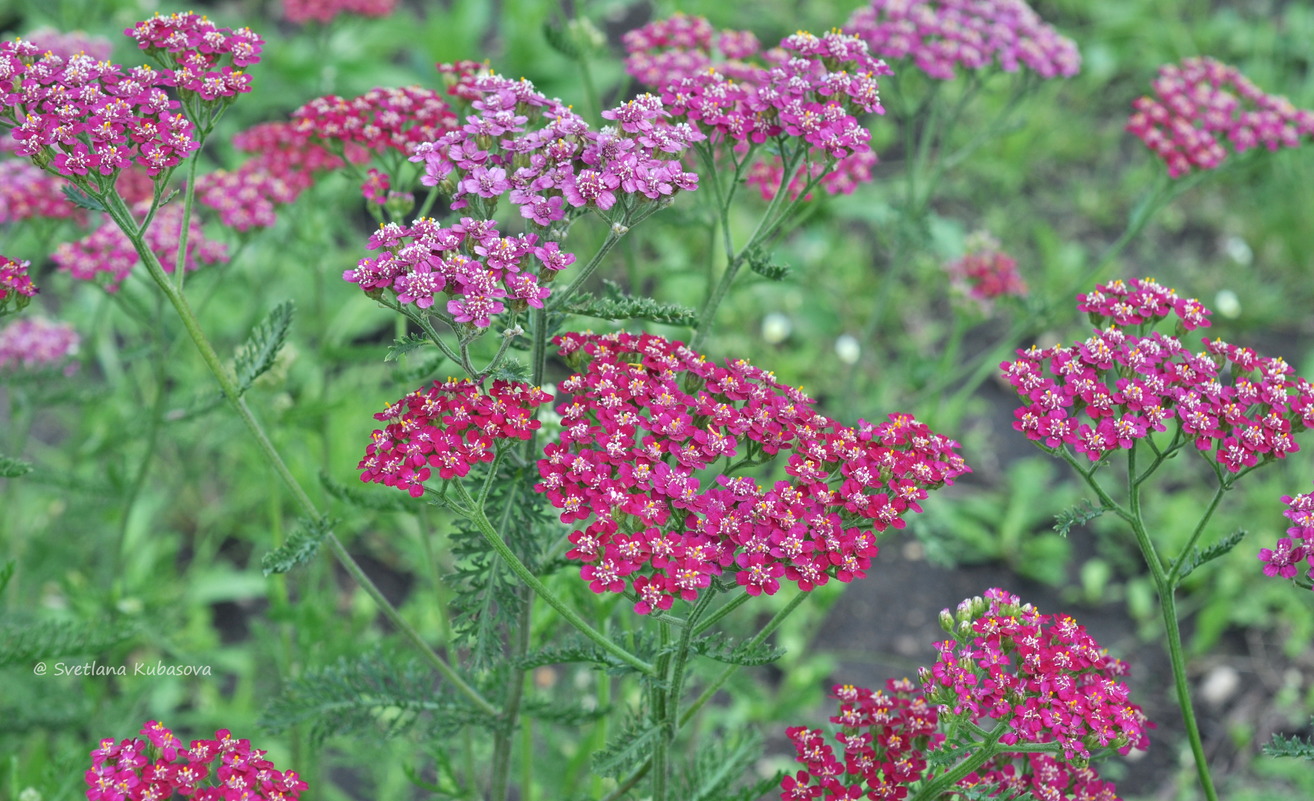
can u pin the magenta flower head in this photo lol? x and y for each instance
(162, 766)
(34, 343)
(16, 287)
(654, 439)
(198, 57)
(1041, 677)
(1199, 103)
(66, 44)
(381, 119)
(107, 255)
(1284, 559)
(1128, 380)
(942, 35)
(27, 191)
(448, 428)
(303, 11)
(985, 272)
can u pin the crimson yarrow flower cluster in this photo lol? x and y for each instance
(160, 766)
(107, 250)
(1127, 380)
(470, 264)
(810, 89)
(384, 118)
(653, 440)
(1043, 678)
(197, 56)
(545, 159)
(941, 35)
(985, 272)
(1043, 675)
(303, 11)
(16, 287)
(27, 191)
(1283, 560)
(1201, 101)
(449, 427)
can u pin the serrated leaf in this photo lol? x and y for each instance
(405, 345)
(362, 498)
(560, 40)
(1291, 747)
(1220, 548)
(760, 262)
(724, 649)
(720, 765)
(81, 199)
(570, 715)
(258, 353)
(299, 548)
(24, 642)
(621, 306)
(626, 750)
(511, 370)
(1079, 515)
(13, 468)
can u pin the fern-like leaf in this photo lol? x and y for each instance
(724, 649)
(25, 642)
(1220, 548)
(626, 750)
(299, 548)
(362, 498)
(511, 370)
(372, 695)
(720, 766)
(759, 261)
(13, 468)
(81, 199)
(621, 306)
(405, 345)
(258, 353)
(1293, 747)
(1079, 515)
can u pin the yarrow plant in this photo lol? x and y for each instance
(1055, 698)
(159, 765)
(16, 287)
(1200, 103)
(648, 416)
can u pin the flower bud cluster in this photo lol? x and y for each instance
(221, 769)
(1127, 380)
(198, 56)
(653, 440)
(450, 427)
(810, 88)
(470, 264)
(1284, 559)
(107, 250)
(985, 272)
(303, 11)
(1201, 101)
(1041, 674)
(16, 287)
(942, 35)
(392, 118)
(543, 156)
(1041, 677)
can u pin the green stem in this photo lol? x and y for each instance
(476, 514)
(613, 236)
(228, 383)
(504, 735)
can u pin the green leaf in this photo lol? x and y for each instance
(390, 501)
(1079, 515)
(759, 261)
(626, 750)
(1294, 747)
(7, 573)
(620, 306)
(24, 642)
(1220, 548)
(299, 548)
(720, 765)
(405, 345)
(13, 468)
(571, 715)
(511, 370)
(81, 199)
(258, 353)
(560, 40)
(724, 649)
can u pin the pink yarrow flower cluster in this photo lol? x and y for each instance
(985, 272)
(1283, 560)
(198, 56)
(34, 342)
(396, 118)
(108, 251)
(943, 35)
(449, 428)
(303, 11)
(1043, 677)
(546, 160)
(84, 118)
(66, 44)
(16, 287)
(810, 89)
(1201, 101)
(161, 765)
(471, 264)
(653, 439)
(1127, 381)
(27, 191)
